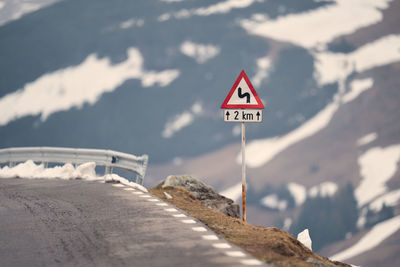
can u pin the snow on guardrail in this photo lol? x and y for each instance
(108, 158)
(85, 171)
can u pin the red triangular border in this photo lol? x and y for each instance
(259, 104)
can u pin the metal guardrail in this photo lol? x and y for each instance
(108, 158)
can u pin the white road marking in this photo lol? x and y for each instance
(188, 221)
(129, 189)
(251, 262)
(221, 245)
(179, 215)
(196, 229)
(210, 237)
(235, 254)
(206, 237)
(199, 229)
(171, 210)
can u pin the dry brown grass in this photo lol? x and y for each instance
(269, 244)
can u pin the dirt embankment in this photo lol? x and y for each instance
(269, 244)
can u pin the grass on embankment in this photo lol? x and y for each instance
(269, 244)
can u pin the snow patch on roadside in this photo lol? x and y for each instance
(74, 86)
(305, 239)
(30, 170)
(122, 180)
(85, 171)
(373, 238)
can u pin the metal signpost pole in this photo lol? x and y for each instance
(242, 104)
(243, 172)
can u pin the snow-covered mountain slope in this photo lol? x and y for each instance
(377, 246)
(15, 9)
(355, 139)
(360, 145)
(149, 77)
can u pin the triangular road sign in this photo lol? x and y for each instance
(242, 95)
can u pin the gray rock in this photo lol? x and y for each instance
(206, 194)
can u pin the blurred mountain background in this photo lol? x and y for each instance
(148, 77)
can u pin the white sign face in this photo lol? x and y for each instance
(243, 115)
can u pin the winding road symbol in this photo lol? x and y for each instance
(247, 95)
(242, 95)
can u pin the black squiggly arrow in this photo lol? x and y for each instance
(247, 95)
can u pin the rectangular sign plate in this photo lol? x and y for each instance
(243, 115)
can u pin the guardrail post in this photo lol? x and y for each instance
(108, 170)
(139, 179)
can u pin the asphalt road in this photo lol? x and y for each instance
(80, 223)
